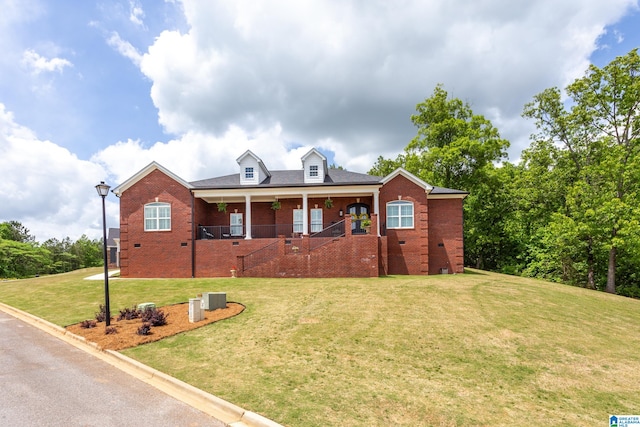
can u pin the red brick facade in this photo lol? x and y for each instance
(433, 245)
(155, 253)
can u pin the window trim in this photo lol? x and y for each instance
(299, 222)
(156, 207)
(316, 226)
(249, 173)
(399, 216)
(314, 171)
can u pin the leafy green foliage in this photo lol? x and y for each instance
(456, 148)
(21, 256)
(591, 154)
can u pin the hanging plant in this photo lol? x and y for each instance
(328, 203)
(275, 205)
(222, 207)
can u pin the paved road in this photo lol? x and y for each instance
(47, 382)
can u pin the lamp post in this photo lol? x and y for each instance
(103, 190)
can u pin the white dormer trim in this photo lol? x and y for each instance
(146, 171)
(314, 164)
(411, 177)
(252, 169)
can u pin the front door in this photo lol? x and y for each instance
(236, 224)
(358, 212)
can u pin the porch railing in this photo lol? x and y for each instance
(215, 232)
(269, 231)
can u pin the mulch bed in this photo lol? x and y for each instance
(126, 336)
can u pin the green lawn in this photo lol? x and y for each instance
(478, 349)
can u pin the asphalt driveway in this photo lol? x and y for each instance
(47, 382)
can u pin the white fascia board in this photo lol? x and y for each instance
(144, 172)
(314, 151)
(411, 177)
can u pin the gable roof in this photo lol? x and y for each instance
(144, 172)
(258, 160)
(322, 157)
(114, 233)
(411, 177)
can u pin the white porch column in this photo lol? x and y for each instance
(376, 209)
(305, 214)
(247, 221)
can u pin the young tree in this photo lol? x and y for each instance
(594, 145)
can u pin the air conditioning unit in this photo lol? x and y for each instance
(214, 300)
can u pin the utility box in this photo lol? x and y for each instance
(196, 313)
(214, 300)
(146, 306)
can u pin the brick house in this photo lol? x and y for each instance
(311, 222)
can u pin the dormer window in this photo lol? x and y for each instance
(252, 170)
(315, 167)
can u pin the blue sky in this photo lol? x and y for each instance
(96, 90)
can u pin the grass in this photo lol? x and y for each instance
(466, 350)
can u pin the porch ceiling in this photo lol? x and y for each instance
(235, 195)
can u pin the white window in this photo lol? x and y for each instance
(298, 216)
(157, 216)
(400, 214)
(248, 173)
(313, 170)
(316, 220)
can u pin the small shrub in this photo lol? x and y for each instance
(110, 330)
(87, 324)
(101, 316)
(129, 313)
(154, 316)
(145, 329)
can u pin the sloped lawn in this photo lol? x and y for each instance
(476, 349)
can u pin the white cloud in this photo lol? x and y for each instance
(201, 155)
(46, 187)
(125, 48)
(279, 77)
(38, 64)
(349, 74)
(136, 14)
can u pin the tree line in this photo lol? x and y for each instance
(21, 256)
(569, 209)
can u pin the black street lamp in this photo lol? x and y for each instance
(103, 190)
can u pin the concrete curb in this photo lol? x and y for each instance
(230, 414)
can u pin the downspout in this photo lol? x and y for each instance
(193, 238)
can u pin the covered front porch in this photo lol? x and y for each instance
(289, 212)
